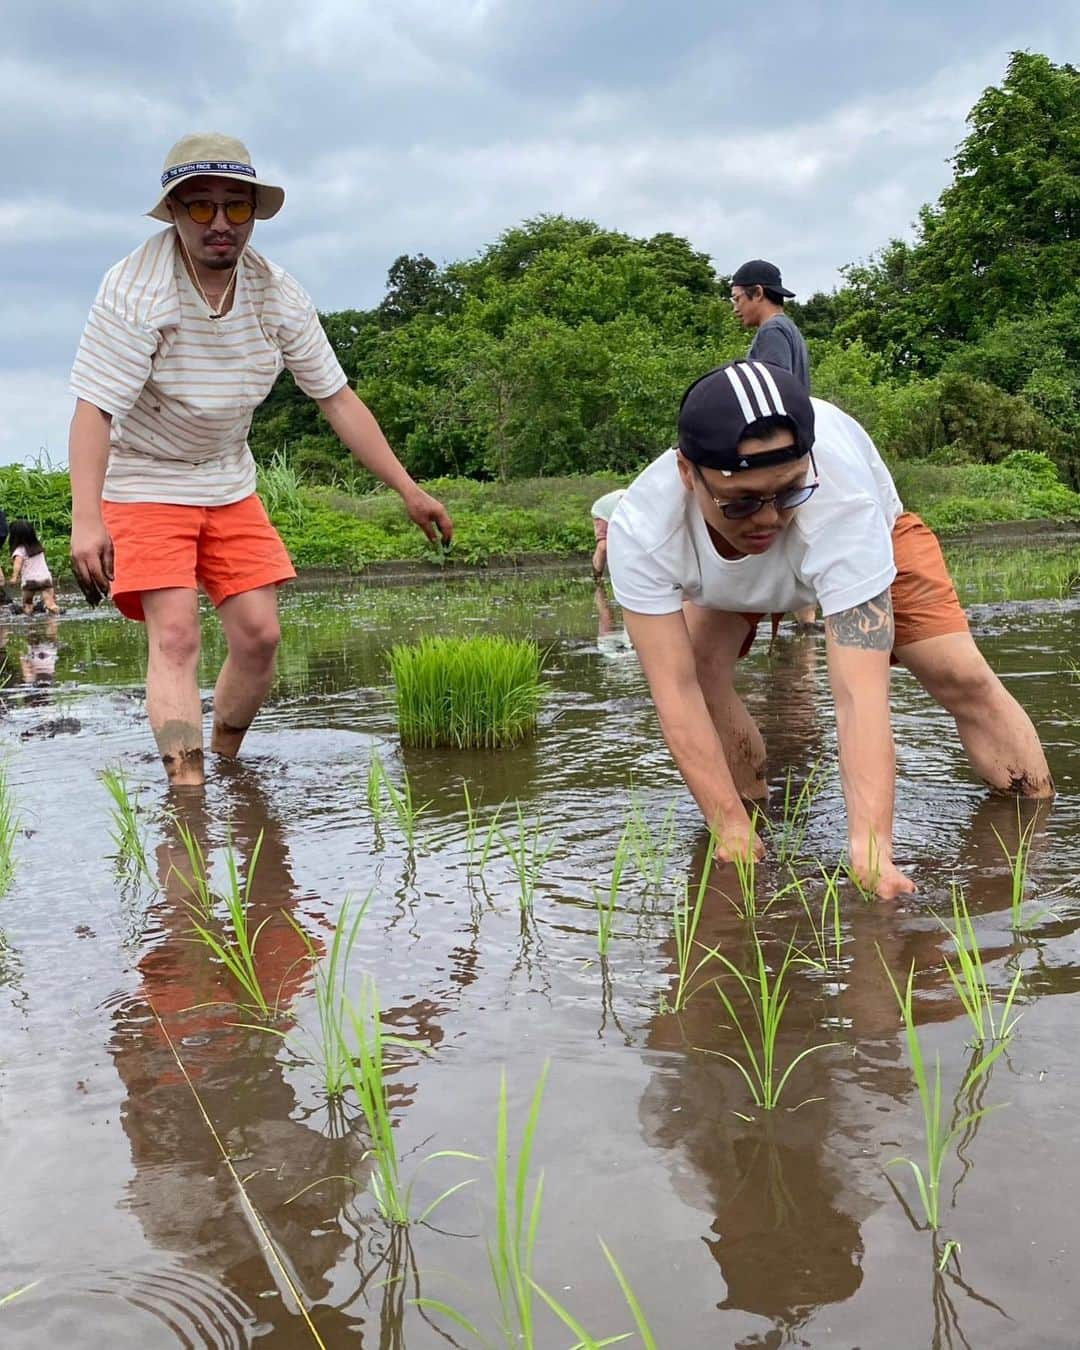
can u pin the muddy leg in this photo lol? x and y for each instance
(1001, 742)
(172, 688)
(253, 633)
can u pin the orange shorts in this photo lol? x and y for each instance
(224, 549)
(924, 599)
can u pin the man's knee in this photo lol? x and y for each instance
(177, 641)
(256, 643)
(968, 688)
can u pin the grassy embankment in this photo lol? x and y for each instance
(331, 528)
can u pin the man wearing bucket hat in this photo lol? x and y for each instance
(773, 500)
(184, 340)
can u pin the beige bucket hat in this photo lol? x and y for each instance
(210, 153)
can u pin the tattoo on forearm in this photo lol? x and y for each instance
(869, 625)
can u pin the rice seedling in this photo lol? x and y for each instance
(9, 829)
(127, 831)
(788, 836)
(376, 776)
(527, 856)
(234, 946)
(651, 852)
(365, 1064)
(745, 865)
(991, 1021)
(17, 1293)
(939, 1135)
(478, 840)
(481, 692)
(824, 921)
(332, 1053)
(768, 1000)
(405, 809)
(1018, 859)
(685, 918)
(605, 904)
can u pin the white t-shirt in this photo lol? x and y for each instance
(836, 552)
(180, 386)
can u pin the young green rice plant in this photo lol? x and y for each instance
(1018, 859)
(939, 1134)
(332, 1053)
(685, 918)
(990, 1020)
(404, 807)
(376, 777)
(651, 851)
(17, 1293)
(9, 829)
(365, 1063)
(480, 692)
(605, 904)
(234, 944)
(824, 921)
(745, 865)
(479, 840)
(788, 836)
(527, 854)
(127, 831)
(768, 1000)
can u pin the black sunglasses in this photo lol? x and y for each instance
(742, 508)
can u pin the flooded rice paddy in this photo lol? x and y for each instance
(173, 1174)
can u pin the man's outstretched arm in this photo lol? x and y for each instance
(859, 641)
(666, 654)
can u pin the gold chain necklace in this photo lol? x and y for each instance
(216, 312)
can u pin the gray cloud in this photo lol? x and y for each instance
(807, 132)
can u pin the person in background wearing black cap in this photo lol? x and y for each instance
(757, 297)
(771, 501)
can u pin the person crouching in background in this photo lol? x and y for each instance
(29, 568)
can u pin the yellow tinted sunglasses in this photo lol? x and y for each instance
(202, 211)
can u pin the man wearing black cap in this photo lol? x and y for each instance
(772, 501)
(757, 297)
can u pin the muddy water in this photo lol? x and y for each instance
(126, 1080)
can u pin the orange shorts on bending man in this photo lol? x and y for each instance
(224, 549)
(924, 599)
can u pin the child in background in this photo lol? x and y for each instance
(601, 511)
(29, 568)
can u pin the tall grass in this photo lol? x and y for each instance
(481, 692)
(991, 1022)
(127, 831)
(9, 829)
(231, 941)
(939, 1135)
(365, 1064)
(768, 1000)
(280, 487)
(1017, 860)
(527, 854)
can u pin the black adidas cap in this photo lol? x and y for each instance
(718, 409)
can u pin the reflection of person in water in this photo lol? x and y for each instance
(611, 640)
(38, 662)
(181, 1189)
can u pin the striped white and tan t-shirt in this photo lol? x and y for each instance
(180, 386)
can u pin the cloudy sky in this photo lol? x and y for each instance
(805, 131)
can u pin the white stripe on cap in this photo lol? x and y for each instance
(747, 372)
(740, 393)
(770, 383)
